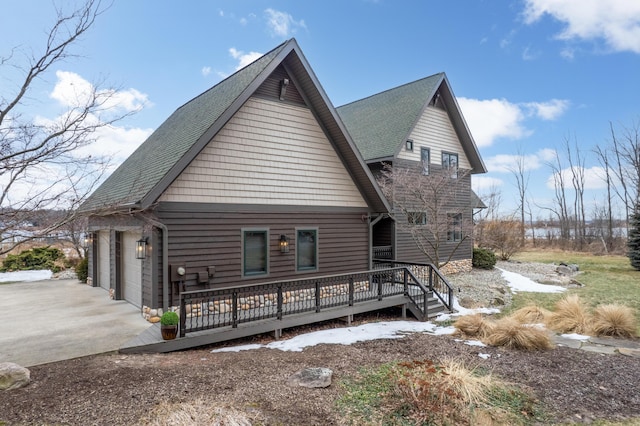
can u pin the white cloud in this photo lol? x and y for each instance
(505, 163)
(244, 59)
(550, 110)
(594, 178)
(282, 24)
(617, 22)
(492, 119)
(71, 90)
(483, 183)
(206, 71)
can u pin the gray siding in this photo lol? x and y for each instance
(201, 238)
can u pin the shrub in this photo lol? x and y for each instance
(504, 236)
(570, 316)
(483, 258)
(614, 320)
(508, 332)
(169, 318)
(37, 258)
(82, 269)
(473, 326)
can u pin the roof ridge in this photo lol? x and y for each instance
(391, 89)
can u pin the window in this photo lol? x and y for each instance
(454, 226)
(450, 161)
(306, 250)
(409, 145)
(255, 252)
(425, 158)
(417, 218)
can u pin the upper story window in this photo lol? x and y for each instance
(454, 228)
(425, 158)
(417, 218)
(408, 145)
(306, 250)
(255, 252)
(450, 161)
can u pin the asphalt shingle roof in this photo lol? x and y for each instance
(152, 161)
(380, 123)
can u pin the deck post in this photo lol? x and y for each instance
(317, 296)
(277, 333)
(352, 290)
(183, 316)
(234, 307)
(280, 301)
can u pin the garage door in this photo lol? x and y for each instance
(131, 269)
(103, 259)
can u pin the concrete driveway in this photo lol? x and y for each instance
(54, 320)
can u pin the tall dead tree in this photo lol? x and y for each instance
(43, 163)
(625, 144)
(521, 175)
(433, 207)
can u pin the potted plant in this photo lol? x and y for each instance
(169, 325)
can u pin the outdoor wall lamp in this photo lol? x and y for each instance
(88, 239)
(284, 244)
(141, 248)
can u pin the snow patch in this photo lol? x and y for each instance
(25, 276)
(518, 283)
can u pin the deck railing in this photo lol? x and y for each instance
(230, 306)
(426, 273)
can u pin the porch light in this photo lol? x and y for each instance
(141, 248)
(284, 244)
(88, 239)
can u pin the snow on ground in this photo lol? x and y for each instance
(394, 329)
(518, 283)
(25, 276)
(576, 336)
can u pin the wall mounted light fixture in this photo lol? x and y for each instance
(284, 244)
(141, 248)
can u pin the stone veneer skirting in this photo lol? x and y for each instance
(457, 266)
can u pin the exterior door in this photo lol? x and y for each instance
(104, 260)
(131, 269)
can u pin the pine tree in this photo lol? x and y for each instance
(633, 242)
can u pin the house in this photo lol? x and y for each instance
(254, 180)
(418, 125)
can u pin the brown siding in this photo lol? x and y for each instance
(199, 239)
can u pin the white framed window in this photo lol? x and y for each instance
(306, 249)
(255, 252)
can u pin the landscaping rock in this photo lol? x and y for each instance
(312, 378)
(13, 376)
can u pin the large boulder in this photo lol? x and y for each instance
(312, 378)
(13, 376)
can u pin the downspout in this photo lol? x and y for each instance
(165, 261)
(371, 224)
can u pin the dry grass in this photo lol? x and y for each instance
(464, 381)
(531, 314)
(473, 326)
(570, 316)
(614, 320)
(198, 412)
(510, 333)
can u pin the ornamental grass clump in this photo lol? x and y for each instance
(473, 326)
(570, 316)
(614, 320)
(531, 314)
(510, 333)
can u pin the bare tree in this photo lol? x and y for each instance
(433, 207)
(626, 160)
(520, 173)
(576, 166)
(45, 164)
(492, 199)
(605, 214)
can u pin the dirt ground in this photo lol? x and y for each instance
(115, 389)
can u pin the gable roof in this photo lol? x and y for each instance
(148, 172)
(381, 123)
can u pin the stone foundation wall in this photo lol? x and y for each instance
(456, 267)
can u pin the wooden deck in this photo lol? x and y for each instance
(150, 341)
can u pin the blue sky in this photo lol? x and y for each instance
(528, 74)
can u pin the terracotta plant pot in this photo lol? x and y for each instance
(169, 332)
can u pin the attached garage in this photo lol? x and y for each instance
(131, 269)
